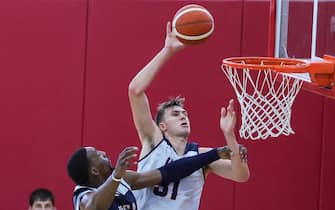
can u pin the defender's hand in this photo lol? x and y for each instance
(224, 152)
(125, 160)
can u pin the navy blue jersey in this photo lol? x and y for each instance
(124, 197)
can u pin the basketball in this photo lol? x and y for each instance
(193, 24)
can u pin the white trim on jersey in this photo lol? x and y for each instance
(77, 198)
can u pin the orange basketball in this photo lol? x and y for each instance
(193, 24)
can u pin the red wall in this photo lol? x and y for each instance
(65, 70)
(42, 54)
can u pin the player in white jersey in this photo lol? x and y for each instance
(174, 195)
(166, 138)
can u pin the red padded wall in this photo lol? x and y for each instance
(41, 89)
(255, 23)
(327, 183)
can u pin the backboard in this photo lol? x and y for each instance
(305, 29)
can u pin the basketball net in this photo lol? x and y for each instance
(266, 98)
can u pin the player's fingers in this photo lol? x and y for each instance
(233, 113)
(168, 27)
(131, 148)
(128, 151)
(223, 111)
(128, 160)
(231, 105)
(130, 156)
(130, 163)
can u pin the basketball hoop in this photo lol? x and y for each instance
(266, 91)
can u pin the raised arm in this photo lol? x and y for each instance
(175, 170)
(103, 197)
(147, 130)
(235, 169)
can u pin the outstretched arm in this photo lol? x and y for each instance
(103, 197)
(175, 170)
(237, 168)
(148, 131)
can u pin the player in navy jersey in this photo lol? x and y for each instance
(100, 186)
(166, 138)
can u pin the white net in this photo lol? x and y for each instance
(266, 98)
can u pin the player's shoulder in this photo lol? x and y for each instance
(80, 189)
(82, 196)
(147, 150)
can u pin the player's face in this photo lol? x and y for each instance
(176, 121)
(99, 159)
(42, 205)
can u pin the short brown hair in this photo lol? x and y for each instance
(42, 194)
(173, 101)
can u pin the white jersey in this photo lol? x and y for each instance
(182, 195)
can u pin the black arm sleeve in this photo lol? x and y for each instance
(186, 166)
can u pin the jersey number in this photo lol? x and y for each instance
(163, 190)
